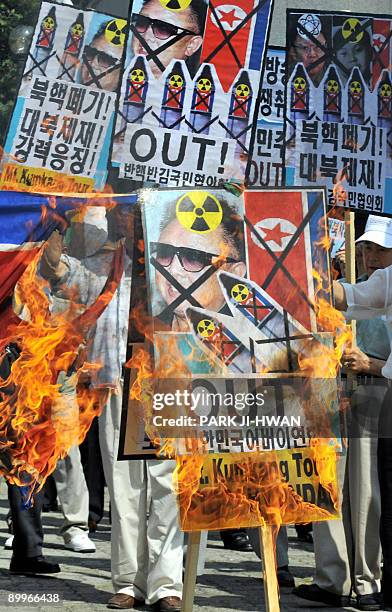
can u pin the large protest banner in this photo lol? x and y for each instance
(63, 117)
(189, 91)
(339, 107)
(267, 165)
(232, 322)
(65, 287)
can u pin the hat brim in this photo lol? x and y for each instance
(380, 238)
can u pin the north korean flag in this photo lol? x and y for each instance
(381, 47)
(282, 232)
(232, 36)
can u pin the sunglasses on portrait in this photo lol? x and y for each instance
(192, 260)
(161, 29)
(104, 60)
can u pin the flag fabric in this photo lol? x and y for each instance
(282, 248)
(235, 36)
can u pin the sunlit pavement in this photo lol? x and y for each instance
(231, 581)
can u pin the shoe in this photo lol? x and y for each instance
(92, 525)
(285, 577)
(80, 542)
(33, 565)
(373, 601)
(122, 601)
(8, 543)
(312, 592)
(168, 604)
(236, 540)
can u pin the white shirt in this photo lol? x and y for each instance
(372, 298)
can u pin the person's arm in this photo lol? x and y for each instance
(358, 362)
(368, 299)
(51, 266)
(339, 296)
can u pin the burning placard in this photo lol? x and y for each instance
(63, 116)
(189, 91)
(64, 297)
(242, 358)
(339, 107)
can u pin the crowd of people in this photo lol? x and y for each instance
(147, 547)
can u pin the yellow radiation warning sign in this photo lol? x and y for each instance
(115, 32)
(242, 90)
(332, 86)
(205, 328)
(199, 211)
(137, 75)
(355, 87)
(352, 30)
(175, 5)
(176, 81)
(299, 84)
(240, 292)
(204, 85)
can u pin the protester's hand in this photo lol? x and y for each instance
(53, 249)
(340, 259)
(356, 361)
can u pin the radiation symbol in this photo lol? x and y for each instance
(350, 27)
(199, 211)
(205, 328)
(299, 84)
(240, 292)
(386, 90)
(204, 85)
(242, 90)
(175, 5)
(77, 30)
(332, 86)
(176, 81)
(115, 31)
(48, 23)
(355, 88)
(137, 76)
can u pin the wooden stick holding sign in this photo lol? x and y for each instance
(190, 574)
(267, 547)
(349, 234)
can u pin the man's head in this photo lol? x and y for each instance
(353, 53)
(179, 32)
(304, 49)
(377, 244)
(101, 61)
(187, 254)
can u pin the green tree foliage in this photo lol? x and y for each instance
(12, 14)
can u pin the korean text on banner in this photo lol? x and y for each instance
(189, 91)
(63, 117)
(339, 107)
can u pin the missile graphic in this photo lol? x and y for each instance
(356, 98)
(299, 104)
(173, 98)
(270, 333)
(332, 97)
(44, 42)
(72, 50)
(136, 92)
(202, 101)
(239, 111)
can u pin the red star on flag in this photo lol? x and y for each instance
(276, 234)
(229, 17)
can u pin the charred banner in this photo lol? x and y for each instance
(63, 117)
